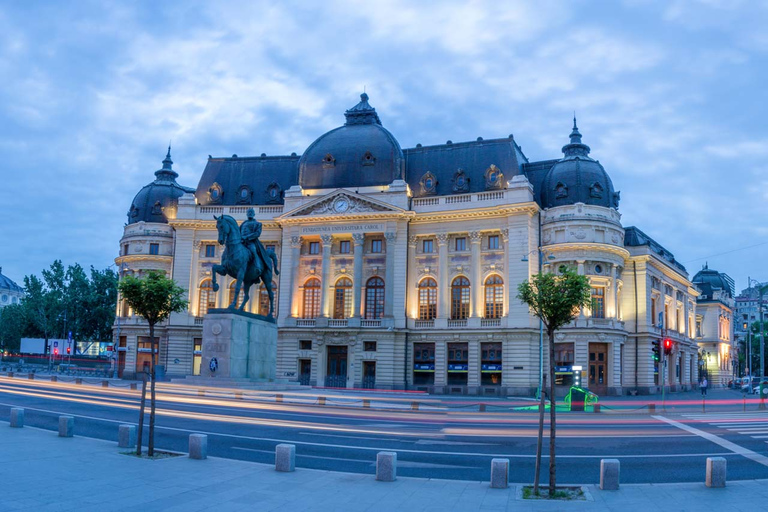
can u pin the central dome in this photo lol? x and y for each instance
(361, 153)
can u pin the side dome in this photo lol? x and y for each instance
(577, 178)
(361, 153)
(708, 281)
(157, 201)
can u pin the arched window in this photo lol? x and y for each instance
(264, 299)
(231, 294)
(311, 298)
(427, 299)
(342, 298)
(374, 298)
(206, 298)
(460, 298)
(494, 297)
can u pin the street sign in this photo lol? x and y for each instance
(55, 343)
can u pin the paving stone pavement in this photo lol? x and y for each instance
(40, 471)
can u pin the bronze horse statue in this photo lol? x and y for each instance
(238, 262)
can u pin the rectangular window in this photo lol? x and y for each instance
(197, 355)
(423, 363)
(598, 302)
(369, 346)
(344, 247)
(461, 244)
(458, 363)
(563, 360)
(376, 246)
(154, 248)
(490, 361)
(426, 246)
(125, 249)
(493, 242)
(314, 247)
(305, 344)
(210, 251)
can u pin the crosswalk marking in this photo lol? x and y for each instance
(746, 423)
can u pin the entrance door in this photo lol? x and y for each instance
(369, 374)
(305, 371)
(336, 372)
(598, 367)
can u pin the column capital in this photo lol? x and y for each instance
(326, 239)
(296, 241)
(391, 236)
(413, 240)
(197, 244)
(505, 235)
(358, 238)
(475, 237)
(442, 238)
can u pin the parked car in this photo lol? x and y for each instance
(748, 384)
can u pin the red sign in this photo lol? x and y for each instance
(109, 348)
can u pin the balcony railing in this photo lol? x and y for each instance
(370, 323)
(198, 320)
(457, 323)
(337, 322)
(490, 322)
(305, 322)
(424, 324)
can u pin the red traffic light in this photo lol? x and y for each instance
(55, 351)
(69, 350)
(668, 343)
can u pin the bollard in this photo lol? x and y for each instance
(652, 408)
(238, 395)
(321, 400)
(285, 457)
(134, 386)
(10, 374)
(366, 404)
(66, 426)
(17, 417)
(482, 408)
(745, 404)
(31, 376)
(386, 466)
(200, 392)
(596, 408)
(105, 383)
(716, 467)
(609, 474)
(54, 378)
(499, 473)
(703, 405)
(278, 398)
(414, 406)
(198, 446)
(126, 436)
(78, 380)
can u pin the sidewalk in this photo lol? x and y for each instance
(42, 472)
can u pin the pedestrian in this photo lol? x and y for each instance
(703, 386)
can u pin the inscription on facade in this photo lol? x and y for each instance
(343, 228)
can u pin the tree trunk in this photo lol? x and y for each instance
(141, 412)
(540, 436)
(153, 378)
(552, 409)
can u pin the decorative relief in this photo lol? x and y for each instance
(493, 268)
(579, 235)
(296, 241)
(390, 236)
(343, 203)
(328, 161)
(427, 271)
(274, 192)
(494, 178)
(428, 184)
(215, 194)
(216, 329)
(505, 235)
(561, 190)
(368, 159)
(460, 181)
(547, 237)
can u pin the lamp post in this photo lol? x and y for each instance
(761, 291)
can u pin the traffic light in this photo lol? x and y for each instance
(56, 351)
(69, 350)
(655, 352)
(668, 343)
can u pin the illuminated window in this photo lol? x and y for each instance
(460, 298)
(342, 298)
(427, 299)
(598, 302)
(264, 299)
(374, 298)
(231, 294)
(206, 298)
(311, 298)
(494, 297)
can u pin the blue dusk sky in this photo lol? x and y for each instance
(670, 95)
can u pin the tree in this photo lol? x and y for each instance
(153, 297)
(13, 323)
(556, 300)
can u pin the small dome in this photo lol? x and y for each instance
(709, 281)
(154, 202)
(577, 178)
(6, 285)
(361, 153)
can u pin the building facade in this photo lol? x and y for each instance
(400, 267)
(714, 326)
(10, 292)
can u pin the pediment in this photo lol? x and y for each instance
(342, 202)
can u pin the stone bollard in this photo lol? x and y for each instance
(78, 380)
(126, 436)
(31, 376)
(716, 471)
(386, 466)
(54, 378)
(652, 408)
(596, 408)
(200, 392)
(238, 395)
(10, 374)
(609, 474)
(198, 446)
(17, 417)
(134, 386)
(105, 383)
(285, 457)
(321, 400)
(278, 398)
(66, 426)
(482, 408)
(499, 473)
(414, 406)
(366, 404)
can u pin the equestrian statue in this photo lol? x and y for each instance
(244, 258)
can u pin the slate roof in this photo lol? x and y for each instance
(633, 237)
(257, 175)
(153, 202)
(7, 284)
(709, 281)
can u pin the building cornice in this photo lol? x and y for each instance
(499, 211)
(589, 246)
(143, 258)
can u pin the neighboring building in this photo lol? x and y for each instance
(10, 292)
(714, 325)
(746, 313)
(399, 267)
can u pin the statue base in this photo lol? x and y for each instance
(238, 345)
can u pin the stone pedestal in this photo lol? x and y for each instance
(241, 346)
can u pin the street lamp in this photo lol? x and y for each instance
(761, 289)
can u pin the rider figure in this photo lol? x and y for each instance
(250, 231)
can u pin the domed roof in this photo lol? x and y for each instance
(708, 281)
(359, 154)
(577, 178)
(155, 201)
(8, 285)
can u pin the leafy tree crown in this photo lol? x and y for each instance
(555, 298)
(153, 296)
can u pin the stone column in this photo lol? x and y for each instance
(357, 281)
(615, 289)
(580, 271)
(476, 304)
(389, 282)
(411, 290)
(293, 284)
(325, 297)
(507, 284)
(473, 377)
(441, 365)
(443, 292)
(194, 277)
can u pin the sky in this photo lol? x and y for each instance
(670, 95)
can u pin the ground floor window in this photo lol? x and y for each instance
(490, 360)
(564, 364)
(197, 355)
(423, 364)
(458, 363)
(369, 374)
(305, 371)
(144, 354)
